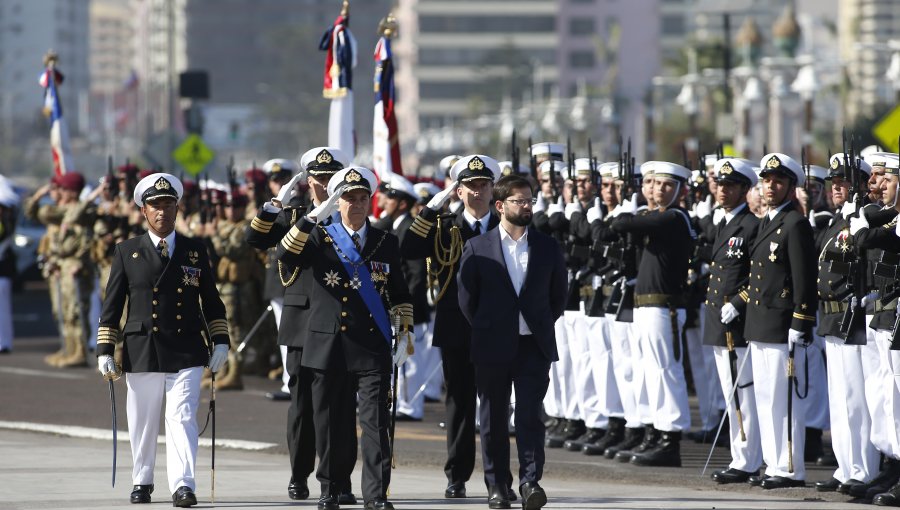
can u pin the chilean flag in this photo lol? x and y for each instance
(59, 133)
(385, 140)
(340, 59)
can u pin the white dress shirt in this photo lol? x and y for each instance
(170, 242)
(732, 213)
(515, 253)
(774, 212)
(471, 220)
(361, 232)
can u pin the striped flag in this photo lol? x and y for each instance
(340, 59)
(59, 134)
(385, 140)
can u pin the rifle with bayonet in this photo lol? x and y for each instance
(854, 316)
(514, 153)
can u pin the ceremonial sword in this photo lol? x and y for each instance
(243, 344)
(110, 377)
(725, 414)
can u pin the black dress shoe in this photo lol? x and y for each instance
(455, 490)
(379, 504)
(732, 475)
(498, 497)
(278, 396)
(141, 493)
(406, 417)
(589, 437)
(828, 485)
(827, 460)
(184, 497)
(298, 490)
(883, 481)
(346, 498)
(328, 502)
(845, 487)
(533, 496)
(888, 498)
(756, 481)
(781, 482)
(511, 494)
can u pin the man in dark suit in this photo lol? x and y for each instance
(728, 256)
(512, 288)
(170, 289)
(473, 183)
(270, 225)
(781, 312)
(358, 295)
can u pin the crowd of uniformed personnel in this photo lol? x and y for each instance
(741, 280)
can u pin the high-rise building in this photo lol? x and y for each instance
(865, 28)
(111, 45)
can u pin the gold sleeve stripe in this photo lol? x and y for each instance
(421, 226)
(105, 341)
(261, 226)
(804, 317)
(218, 332)
(107, 336)
(294, 240)
(107, 329)
(745, 296)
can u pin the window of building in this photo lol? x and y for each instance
(487, 25)
(673, 24)
(581, 26)
(581, 59)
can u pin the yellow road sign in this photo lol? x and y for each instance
(193, 155)
(888, 129)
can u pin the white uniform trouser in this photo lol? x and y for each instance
(571, 410)
(703, 370)
(6, 321)
(745, 455)
(600, 393)
(94, 314)
(144, 402)
(817, 405)
(770, 385)
(639, 377)
(554, 400)
(850, 434)
(412, 376)
(890, 387)
(277, 308)
(433, 361)
(623, 368)
(875, 374)
(666, 386)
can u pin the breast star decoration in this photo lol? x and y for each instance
(332, 279)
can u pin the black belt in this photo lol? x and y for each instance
(659, 300)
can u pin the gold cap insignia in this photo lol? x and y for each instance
(835, 164)
(476, 164)
(162, 183)
(726, 168)
(424, 193)
(353, 176)
(276, 167)
(773, 162)
(324, 157)
(507, 170)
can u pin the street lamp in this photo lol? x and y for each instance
(687, 98)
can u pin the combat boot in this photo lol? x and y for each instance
(573, 430)
(633, 437)
(667, 452)
(888, 498)
(615, 434)
(76, 358)
(651, 438)
(590, 436)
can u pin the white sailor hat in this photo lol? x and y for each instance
(710, 160)
(610, 169)
(559, 168)
(396, 186)
(446, 164)
(475, 166)
(351, 178)
(871, 149)
(279, 167)
(784, 164)
(736, 170)
(836, 165)
(645, 169)
(666, 169)
(156, 186)
(553, 149)
(323, 161)
(888, 160)
(425, 191)
(818, 173)
(506, 168)
(583, 167)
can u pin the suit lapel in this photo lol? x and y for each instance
(496, 253)
(149, 253)
(533, 255)
(772, 226)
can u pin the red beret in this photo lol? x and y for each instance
(237, 200)
(129, 169)
(72, 181)
(217, 196)
(256, 175)
(55, 179)
(145, 172)
(190, 187)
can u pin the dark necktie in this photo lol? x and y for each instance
(355, 238)
(720, 227)
(163, 248)
(477, 228)
(765, 222)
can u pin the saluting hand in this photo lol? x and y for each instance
(326, 208)
(441, 197)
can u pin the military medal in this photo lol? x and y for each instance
(193, 256)
(772, 247)
(191, 276)
(840, 241)
(355, 282)
(332, 278)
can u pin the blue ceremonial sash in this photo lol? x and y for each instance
(367, 290)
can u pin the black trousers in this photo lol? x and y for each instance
(529, 372)
(459, 376)
(335, 422)
(301, 433)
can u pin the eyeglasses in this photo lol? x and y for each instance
(522, 202)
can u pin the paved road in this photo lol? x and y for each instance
(37, 397)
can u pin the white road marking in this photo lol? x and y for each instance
(40, 373)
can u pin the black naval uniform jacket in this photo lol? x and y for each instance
(836, 251)
(264, 232)
(782, 287)
(450, 326)
(881, 236)
(415, 272)
(163, 327)
(342, 334)
(729, 268)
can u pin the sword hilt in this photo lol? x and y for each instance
(113, 375)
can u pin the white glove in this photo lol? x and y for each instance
(869, 298)
(897, 233)
(106, 364)
(729, 313)
(631, 282)
(796, 338)
(403, 348)
(218, 358)
(595, 213)
(540, 205)
(441, 197)
(812, 218)
(628, 206)
(718, 214)
(284, 194)
(558, 207)
(572, 208)
(848, 209)
(858, 223)
(326, 208)
(704, 208)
